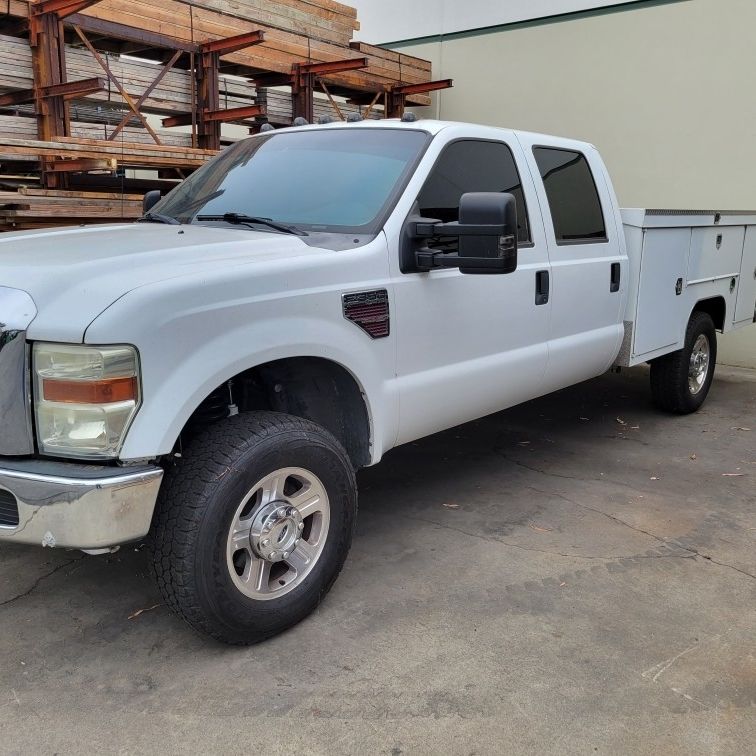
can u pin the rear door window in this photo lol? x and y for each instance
(573, 198)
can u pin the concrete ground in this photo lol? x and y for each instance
(577, 575)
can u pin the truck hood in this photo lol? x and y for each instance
(74, 274)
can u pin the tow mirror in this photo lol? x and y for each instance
(497, 248)
(150, 200)
(487, 232)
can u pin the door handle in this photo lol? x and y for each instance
(616, 277)
(542, 287)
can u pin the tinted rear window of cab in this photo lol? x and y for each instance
(573, 197)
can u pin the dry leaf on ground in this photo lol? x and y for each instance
(142, 611)
(539, 529)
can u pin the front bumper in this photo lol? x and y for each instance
(78, 506)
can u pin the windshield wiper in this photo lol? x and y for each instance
(238, 219)
(158, 218)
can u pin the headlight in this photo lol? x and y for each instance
(85, 398)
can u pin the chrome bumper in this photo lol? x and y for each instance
(78, 506)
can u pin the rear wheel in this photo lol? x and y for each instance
(680, 381)
(253, 526)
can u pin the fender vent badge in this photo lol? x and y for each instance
(370, 311)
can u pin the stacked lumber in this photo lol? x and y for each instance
(97, 163)
(325, 21)
(117, 154)
(196, 21)
(172, 95)
(279, 110)
(13, 127)
(30, 208)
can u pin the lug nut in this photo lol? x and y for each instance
(266, 542)
(301, 526)
(285, 554)
(271, 555)
(296, 543)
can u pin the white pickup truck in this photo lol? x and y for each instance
(212, 377)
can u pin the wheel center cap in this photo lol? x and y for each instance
(276, 531)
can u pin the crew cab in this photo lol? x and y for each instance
(212, 377)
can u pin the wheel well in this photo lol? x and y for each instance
(309, 387)
(717, 308)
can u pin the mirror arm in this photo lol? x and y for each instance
(432, 259)
(434, 229)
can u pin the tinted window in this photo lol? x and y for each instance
(335, 179)
(471, 166)
(573, 198)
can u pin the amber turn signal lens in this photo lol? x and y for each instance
(90, 392)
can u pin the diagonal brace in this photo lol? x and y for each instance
(126, 96)
(147, 92)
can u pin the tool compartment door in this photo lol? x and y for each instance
(660, 307)
(715, 253)
(745, 310)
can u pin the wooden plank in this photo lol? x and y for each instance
(64, 212)
(131, 154)
(300, 18)
(82, 165)
(172, 95)
(277, 53)
(60, 194)
(395, 57)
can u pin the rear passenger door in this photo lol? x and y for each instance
(588, 263)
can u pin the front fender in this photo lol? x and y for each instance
(187, 350)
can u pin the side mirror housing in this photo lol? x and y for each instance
(150, 200)
(487, 233)
(480, 209)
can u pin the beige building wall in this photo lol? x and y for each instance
(666, 91)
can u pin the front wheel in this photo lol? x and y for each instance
(253, 526)
(680, 381)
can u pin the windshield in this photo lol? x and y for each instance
(328, 179)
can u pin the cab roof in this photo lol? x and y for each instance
(434, 127)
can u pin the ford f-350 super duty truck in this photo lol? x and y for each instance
(211, 377)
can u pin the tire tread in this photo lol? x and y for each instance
(182, 505)
(669, 374)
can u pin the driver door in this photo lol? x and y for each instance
(471, 345)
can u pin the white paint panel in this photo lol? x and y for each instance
(660, 309)
(395, 20)
(746, 307)
(715, 252)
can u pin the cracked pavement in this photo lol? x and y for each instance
(576, 575)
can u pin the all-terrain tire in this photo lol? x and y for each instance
(199, 502)
(671, 375)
